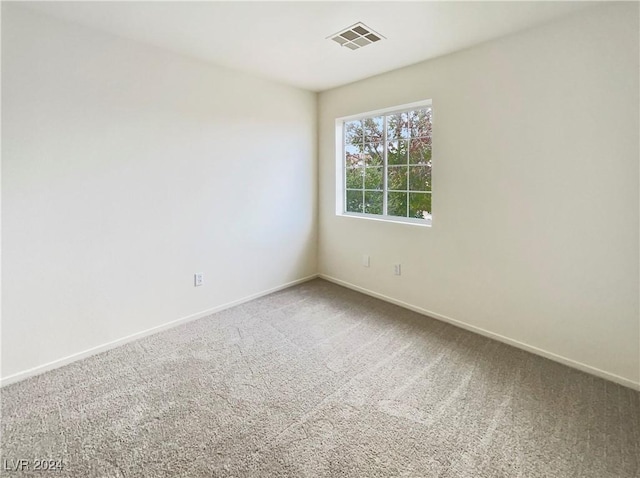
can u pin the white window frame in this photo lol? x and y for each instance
(341, 185)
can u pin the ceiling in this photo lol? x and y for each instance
(287, 41)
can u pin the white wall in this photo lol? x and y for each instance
(536, 216)
(125, 170)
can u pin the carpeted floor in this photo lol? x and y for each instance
(321, 381)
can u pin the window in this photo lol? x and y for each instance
(385, 164)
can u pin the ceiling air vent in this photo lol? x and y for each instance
(356, 36)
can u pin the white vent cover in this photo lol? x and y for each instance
(356, 36)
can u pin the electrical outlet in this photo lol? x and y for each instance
(198, 279)
(397, 269)
(365, 261)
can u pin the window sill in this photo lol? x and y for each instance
(410, 221)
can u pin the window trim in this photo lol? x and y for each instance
(340, 152)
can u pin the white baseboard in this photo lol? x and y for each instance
(501, 338)
(138, 335)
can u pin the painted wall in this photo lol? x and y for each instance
(125, 170)
(535, 180)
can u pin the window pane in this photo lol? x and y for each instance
(420, 151)
(373, 154)
(420, 178)
(354, 201)
(398, 126)
(420, 205)
(420, 122)
(373, 202)
(397, 178)
(373, 178)
(353, 132)
(355, 177)
(353, 156)
(373, 129)
(397, 204)
(397, 152)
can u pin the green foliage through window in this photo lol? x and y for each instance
(388, 164)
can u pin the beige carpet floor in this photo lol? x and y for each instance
(321, 381)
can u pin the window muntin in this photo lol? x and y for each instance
(387, 165)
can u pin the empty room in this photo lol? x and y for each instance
(320, 239)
